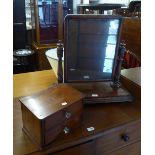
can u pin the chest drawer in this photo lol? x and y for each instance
(82, 149)
(65, 115)
(118, 137)
(133, 149)
(67, 126)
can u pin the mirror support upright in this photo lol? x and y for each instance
(60, 55)
(121, 52)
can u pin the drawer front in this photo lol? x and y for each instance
(52, 134)
(82, 149)
(64, 115)
(118, 137)
(62, 121)
(75, 120)
(64, 127)
(74, 108)
(54, 120)
(133, 149)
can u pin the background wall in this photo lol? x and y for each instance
(75, 3)
(126, 2)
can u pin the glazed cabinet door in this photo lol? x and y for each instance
(47, 20)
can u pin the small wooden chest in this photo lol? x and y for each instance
(48, 113)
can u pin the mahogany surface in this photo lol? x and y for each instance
(132, 74)
(116, 119)
(44, 116)
(131, 35)
(102, 92)
(133, 149)
(132, 81)
(42, 62)
(28, 83)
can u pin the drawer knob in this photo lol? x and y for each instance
(67, 115)
(125, 137)
(66, 130)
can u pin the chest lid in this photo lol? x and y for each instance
(48, 102)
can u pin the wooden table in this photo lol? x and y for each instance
(131, 79)
(110, 121)
(132, 74)
(29, 83)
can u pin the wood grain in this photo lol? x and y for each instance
(40, 111)
(131, 34)
(29, 83)
(105, 119)
(114, 138)
(42, 62)
(131, 79)
(133, 74)
(134, 149)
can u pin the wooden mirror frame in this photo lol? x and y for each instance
(102, 90)
(66, 42)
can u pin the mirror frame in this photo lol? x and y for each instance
(66, 42)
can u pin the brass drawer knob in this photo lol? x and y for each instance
(125, 137)
(66, 130)
(67, 115)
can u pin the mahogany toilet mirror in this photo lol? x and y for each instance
(93, 56)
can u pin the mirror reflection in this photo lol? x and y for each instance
(91, 48)
(48, 12)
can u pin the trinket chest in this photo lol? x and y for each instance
(50, 112)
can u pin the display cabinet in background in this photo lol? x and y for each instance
(47, 18)
(19, 25)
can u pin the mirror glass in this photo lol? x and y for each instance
(91, 48)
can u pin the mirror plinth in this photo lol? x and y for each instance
(102, 92)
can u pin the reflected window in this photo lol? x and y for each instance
(111, 39)
(108, 64)
(113, 27)
(111, 45)
(110, 51)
